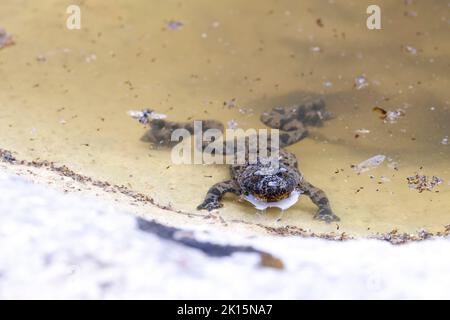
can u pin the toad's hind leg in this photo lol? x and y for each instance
(290, 137)
(286, 120)
(215, 194)
(161, 131)
(319, 198)
(292, 121)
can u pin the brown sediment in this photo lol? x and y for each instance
(394, 237)
(63, 170)
(422, 183)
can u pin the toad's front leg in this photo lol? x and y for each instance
(215, 194)
(319, 198)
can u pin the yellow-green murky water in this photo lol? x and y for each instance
(64, 96)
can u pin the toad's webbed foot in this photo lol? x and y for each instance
(215, 194)
(319, 198)
(209, 204)
(326, 215)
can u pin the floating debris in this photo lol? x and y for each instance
(393, 164)
(411, 50)
(232, 124)
(361, 82)
(246, 111)
(41, 58)
(393, 116)
(423, 183)
(390, 116)
(174, 25)
(384, 179)
(369, 164)
(444, 141)
(327, 84)
(410, 13)
(5, 39)
(230, 104)
(362, 131)
(146, 115)
(381, 112)
(316, 49)
(90, 57)
(7, 156)
(319, 22)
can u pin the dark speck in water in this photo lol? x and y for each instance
(174, 25)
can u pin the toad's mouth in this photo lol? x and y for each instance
(282, 202)
(272, 197)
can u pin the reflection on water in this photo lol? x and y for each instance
(65, 94)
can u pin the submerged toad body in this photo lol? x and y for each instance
(259, 182)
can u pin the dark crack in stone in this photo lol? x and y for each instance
(210, 249)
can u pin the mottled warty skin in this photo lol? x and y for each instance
(266, 182)
(269, 184)
(160, 132)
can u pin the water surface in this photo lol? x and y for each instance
(64, 96)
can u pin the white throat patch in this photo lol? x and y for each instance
(282, 204)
